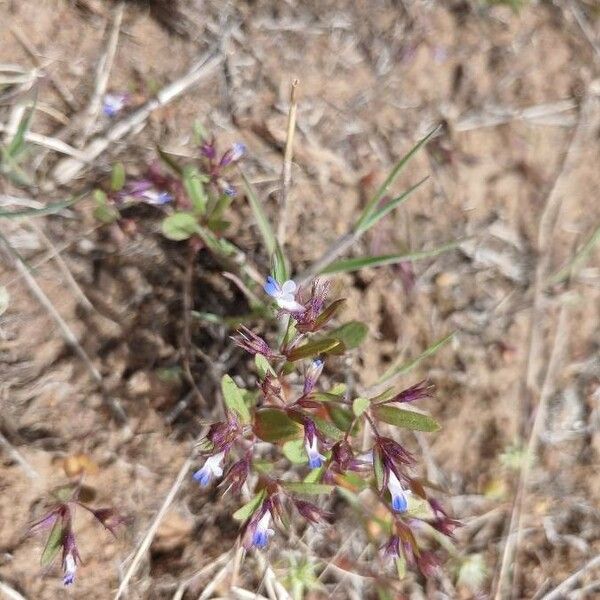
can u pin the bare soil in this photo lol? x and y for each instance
(519, 98)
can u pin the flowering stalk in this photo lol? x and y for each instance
(319, 428)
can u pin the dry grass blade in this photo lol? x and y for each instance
(147, 540)
(103, 72)
(68, 169)
(113, 404)
(15, 455)
(286, 173)
(10, 593)
(561, 590)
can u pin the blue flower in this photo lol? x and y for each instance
(315, 459)
(284, 294)
(113, 104)
(211, 468)
(260, 537)
(69, 567)
(312, 374)
(237, 151)
(156, 198)
(398, 493)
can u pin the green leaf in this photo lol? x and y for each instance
(378, 469)
(328, 429)
(243, 513)
(262, 366)
(323, 346)
(234, 398)
(17, 144)
(314, 475)
(351, 334)
(274, 425)
(117, 178)
(360, 405)
(195, 189)
(262, 221)
(312, 489)
(348, 265)
(329, 312)
(4, 299)
(179, 226)
(342, 417)
(578, 260)
(295, 452)
(103, 211)
(280, 268)
(169, 161)
(391, 205)
(49, 209)
(53, 544)
(371, 206)
(408, 419)
(402, 369)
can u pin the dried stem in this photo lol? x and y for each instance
(286, 173)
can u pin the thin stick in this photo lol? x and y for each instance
(68, 335)
(18, 458)
(50, 143)
(67, 169)
(286, 172)
(30, 49)
(145, 544)
(586, 28)
(103, 72)
(63, 267)
(10, 593)
(560, 591)
(515, 529)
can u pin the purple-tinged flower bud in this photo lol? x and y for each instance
(393, 452)
(392, 547)
(310, 512)
(284, 295)
(237, 475)
(341, 453)
(114, 103)
(223, 433)
(209, 149)
(398, 493)
(212, 468)
(109, 518)
(232, 155)
(423, 389)
(252, 343)
(428, 563)
(445, 525)
(312, 375)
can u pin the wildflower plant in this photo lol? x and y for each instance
(59, 522)
(291, 438)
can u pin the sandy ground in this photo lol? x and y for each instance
(515, 171)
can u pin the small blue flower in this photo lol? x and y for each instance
(113, 104)
(284, 294)
(315, 459)
(157, 198)
(398, 493)
(237, 151)
(211, 468)
(312, 375)
(69, 567)
(260, 537)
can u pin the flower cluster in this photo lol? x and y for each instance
(321, 428)
(61, 539)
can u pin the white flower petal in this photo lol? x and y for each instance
(289, 287)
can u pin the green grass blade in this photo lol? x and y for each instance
(355, 264)
(50, 209)
(17, 144)
(578, 260)
(392, 205)
(372, 204)
(261, 218)
(403, 368)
